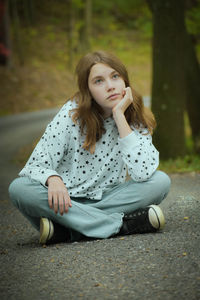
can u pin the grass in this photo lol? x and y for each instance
(189, 163)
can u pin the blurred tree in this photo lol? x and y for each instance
(4, 34)
(16, 30)
(120, 14)
(85, 29)
(70, 33)
(88, 22)
(175, 76)
(28, 7)
(168, 87)
(22, 13)
(192, 71)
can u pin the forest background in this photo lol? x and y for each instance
(46, 39)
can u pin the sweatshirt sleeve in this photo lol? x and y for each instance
(49, 151)
(139, 154)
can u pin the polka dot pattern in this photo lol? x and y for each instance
(59, 152)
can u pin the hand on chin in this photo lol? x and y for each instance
(122, 104)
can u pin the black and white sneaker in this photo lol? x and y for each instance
(51, 233)
(149, 219)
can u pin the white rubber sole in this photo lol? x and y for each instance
(46, 230)
(156, 217)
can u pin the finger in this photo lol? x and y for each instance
(129, 93)
(70, 203)
(130, 96)
(66, 199)
(61, 204)
(55, 202)
(50, 199)
(66, 205)
(126, 95)
(127, 89)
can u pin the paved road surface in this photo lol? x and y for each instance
(15, 132)
(150, 266)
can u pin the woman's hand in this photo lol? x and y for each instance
(125, 102)
(58, 197)
(118, 113)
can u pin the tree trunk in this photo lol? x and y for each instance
(5, 49)
(88, 22)
(29, 11)
(70, 33)
(168, 87)
(16, 32)
(193, 91)
(85, 29)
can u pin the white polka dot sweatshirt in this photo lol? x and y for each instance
(59, 152)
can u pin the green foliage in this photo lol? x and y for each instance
(193, 19)
(33, 32)
(188, 135)
(189, 163)
(122, 15)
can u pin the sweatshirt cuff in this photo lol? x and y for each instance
(39, 176)
(129, 141)
(43, 178)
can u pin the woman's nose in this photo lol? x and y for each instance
(109, 85)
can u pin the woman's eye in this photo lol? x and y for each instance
(98, 81)
(115, 76)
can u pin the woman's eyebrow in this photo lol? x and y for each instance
(97, 77)
(101, 76)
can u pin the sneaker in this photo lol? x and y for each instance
(51, 233)
(46, 230)
(148, 219)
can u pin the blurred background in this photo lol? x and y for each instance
(157, 40)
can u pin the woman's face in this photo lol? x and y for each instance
(106, 87)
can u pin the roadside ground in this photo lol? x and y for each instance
(163, 265)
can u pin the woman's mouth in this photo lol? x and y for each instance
(113, 96)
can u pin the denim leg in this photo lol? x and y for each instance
(31, 198)
(18, 197)
(130, 196)
(98, 219)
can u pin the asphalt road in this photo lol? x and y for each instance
(15, 132)
(149, 266)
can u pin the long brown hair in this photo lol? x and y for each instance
(90, 114)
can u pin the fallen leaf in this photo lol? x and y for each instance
(97, 284)
(3, 252)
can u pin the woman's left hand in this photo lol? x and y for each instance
(125, 102)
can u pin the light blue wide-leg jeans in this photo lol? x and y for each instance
(91, 218)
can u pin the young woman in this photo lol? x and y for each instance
(74, 184)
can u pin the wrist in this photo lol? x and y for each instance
(53, 178)
(118, 114)
(122, 124)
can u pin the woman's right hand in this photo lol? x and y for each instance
(58, 197)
